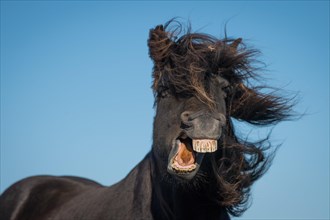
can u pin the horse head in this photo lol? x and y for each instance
(200, 84)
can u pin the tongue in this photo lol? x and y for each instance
(185, 156)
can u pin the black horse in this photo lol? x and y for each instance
(198, 168)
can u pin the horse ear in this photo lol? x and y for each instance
(159, 44)
(252, 106)
(236, 43)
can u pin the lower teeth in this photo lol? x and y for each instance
(179, 168)
(183, 170)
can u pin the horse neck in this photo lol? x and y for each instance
(135, 190)
(170, 201)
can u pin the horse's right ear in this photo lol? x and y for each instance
(159, 44)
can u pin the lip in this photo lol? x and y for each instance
(192, 151)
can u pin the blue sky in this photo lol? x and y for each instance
(76, 97)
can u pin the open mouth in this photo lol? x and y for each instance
(187, 154)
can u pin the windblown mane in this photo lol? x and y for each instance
(183, 64)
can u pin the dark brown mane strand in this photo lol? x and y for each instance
(241, 164)
(255, 107)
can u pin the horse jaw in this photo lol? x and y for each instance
(186, 156)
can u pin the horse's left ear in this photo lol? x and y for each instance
(159, 44)
(236, 43)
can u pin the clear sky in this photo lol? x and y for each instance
(76, 97)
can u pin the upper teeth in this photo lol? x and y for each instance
(204, 145)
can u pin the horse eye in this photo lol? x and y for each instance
(227, 89)
(164, 93)
(212, 74)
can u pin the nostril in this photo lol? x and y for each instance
(222, 119)
(185, 116)
(186, 122)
